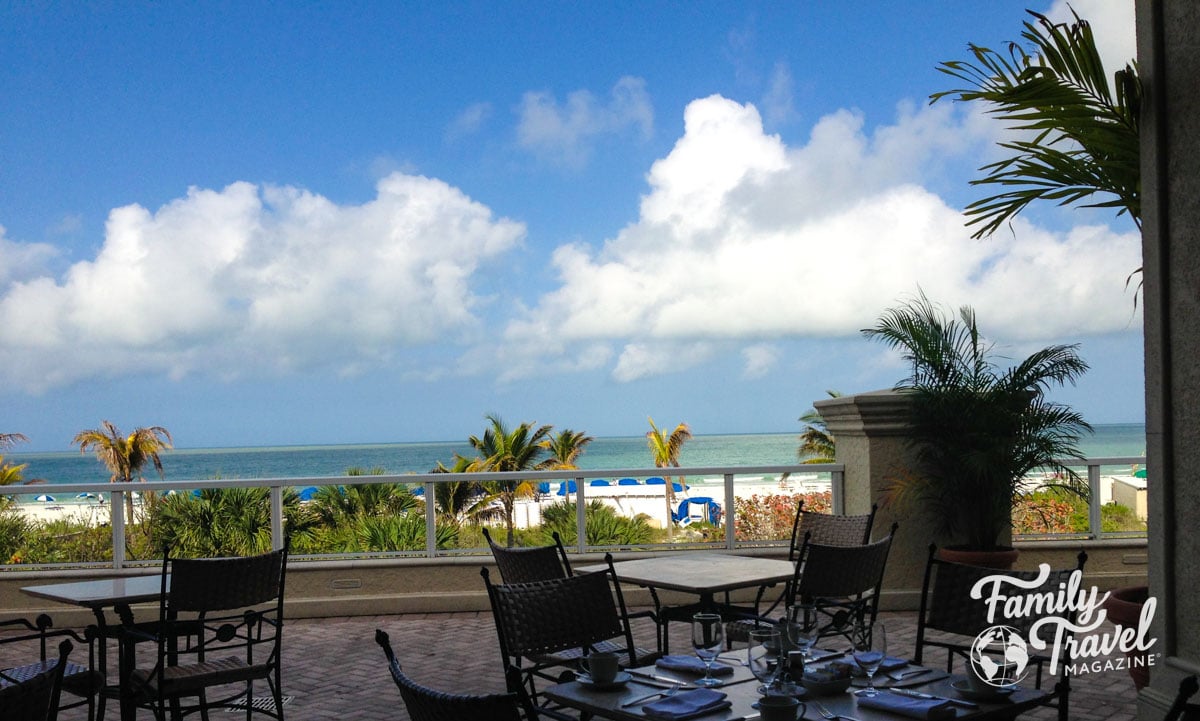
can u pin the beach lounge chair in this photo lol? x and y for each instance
(426, 704)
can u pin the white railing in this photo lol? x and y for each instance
(729, 474)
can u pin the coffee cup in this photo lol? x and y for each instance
(602, 666)
(779, 708)
(978, 685)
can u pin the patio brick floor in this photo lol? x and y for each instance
(332, 668)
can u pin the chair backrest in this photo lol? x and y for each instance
(537, 563)
(829, 530)
(426, 704)
(222, 584)
(947, 606)
(34, 698)
(832, 571)
(545, 617)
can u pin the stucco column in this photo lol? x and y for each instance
(871, 434)
(1169, 63)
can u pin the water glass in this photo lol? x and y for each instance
(802, 627)
(708, 638)
(762, 656)
(869, 652)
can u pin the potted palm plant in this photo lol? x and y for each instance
(979, 431)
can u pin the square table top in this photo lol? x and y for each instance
(101, 593)
(703, 573)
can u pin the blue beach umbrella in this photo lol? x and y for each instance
(85, 496)
(656, 481)
(45, 498)
(308, 493)
(629, 482)
(598, 482)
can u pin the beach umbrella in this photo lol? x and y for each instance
(45, 498)
(308, 493)
(85, 496)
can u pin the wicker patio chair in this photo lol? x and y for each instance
(426, 704)
(79, 680)
(537, 563)
(542, 625)
(1181, 710)
(947, 607)
(822, 528)
(34, 697)
(841, 585)
(219, 629)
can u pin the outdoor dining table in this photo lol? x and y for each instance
(742, 691)
(99, 595)
(699, 573)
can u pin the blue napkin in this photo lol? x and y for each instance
(687, 704)
(918, 708)
(691, 664)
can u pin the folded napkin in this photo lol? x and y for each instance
(687, 704)
(918, 708)
(691, 664)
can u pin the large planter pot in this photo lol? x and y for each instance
(1124, 606)
(1001, 558)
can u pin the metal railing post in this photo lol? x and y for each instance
(116, 510)
(730, 540)
(580, 515)
(277, 517)
(430, 520)
(1094, 522)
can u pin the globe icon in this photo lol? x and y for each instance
(999, 656)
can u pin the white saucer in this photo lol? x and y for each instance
(964, 689)
(620, 680)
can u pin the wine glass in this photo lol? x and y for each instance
(802, 627)
(762, 656)
(708, 638)
(869, 652)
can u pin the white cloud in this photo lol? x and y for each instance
(759, 359)
(21, 261)
(778, 103)
(469, 121)
(565, 134)
(653, 358)
(1112, 24)
(250, 279)
(742, 238)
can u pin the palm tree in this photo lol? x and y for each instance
(1085, 138)
(503, 450)
(565, 448)
(458, 500)
(817, 444)
(666, 450)
(125, 455)
(978, 430)
(11, 475)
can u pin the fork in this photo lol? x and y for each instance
(826, 713)
(665, 693)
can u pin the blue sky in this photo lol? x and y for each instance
(296, 223)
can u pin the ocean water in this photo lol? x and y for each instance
(398, 458)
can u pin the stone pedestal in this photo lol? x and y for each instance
(871, 433)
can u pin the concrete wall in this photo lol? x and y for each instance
(1169, 62)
